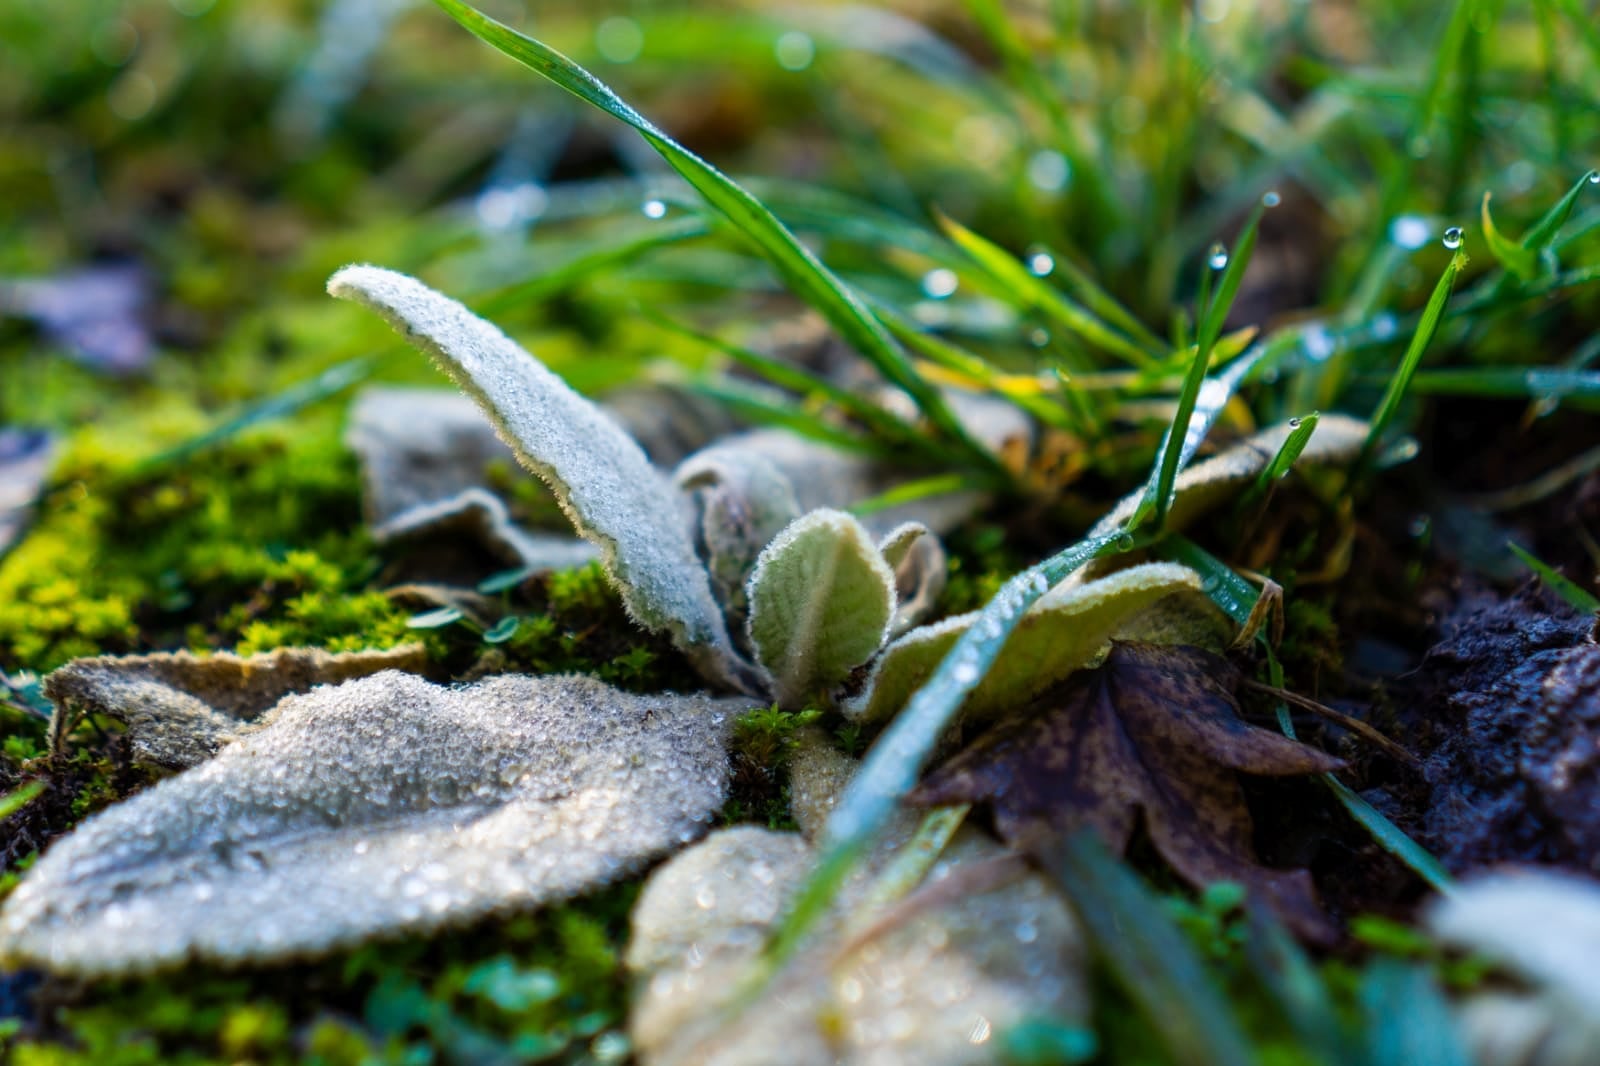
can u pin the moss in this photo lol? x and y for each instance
(533, 987)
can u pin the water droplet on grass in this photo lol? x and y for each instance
(940, 283)
(1217, 257)
(795, 50)
(654, 209)
(1594, 177)
(1040, 264)
(1409, 231)
(1271, 198)
(1453, 237)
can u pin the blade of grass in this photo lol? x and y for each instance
(1427, 326)
(1407, 1019)
(19, 798)
(1538, 382)
(1019, 285)
(1288, 452)
(767, 408)
(1236, 597)
(1519, 260)
(1108, 307)
(800, 269)
(1147, 954)
(1575, 594)
(1543, 233)
(912, 491)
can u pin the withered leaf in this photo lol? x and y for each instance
(1153, 730)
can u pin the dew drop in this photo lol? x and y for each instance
(965, 673)
(1217, 257)
(1594, 177)
(1453, 237)
(1294, 423)
(1040, 264)
(940, 283)
(1039, 337)
(1124, 541)
(1271, 198)
(706, 897)
(1409, 231)
(654, 209)
(795, 50)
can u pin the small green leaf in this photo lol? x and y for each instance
(1295, 443)
(435, 619)
(821, 597)
(1517, 259)
(504, 581)
(503, 630)
(1575, 594)
(19, 798)
(1543, 234)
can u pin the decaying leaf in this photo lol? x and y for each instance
(1545, 928)
(384, 805)
(821, 598)
(181, 708)
(1154, 730)
(1066, 629)
(601, 478)
(476, 523)
(25, 457)
(936, 988)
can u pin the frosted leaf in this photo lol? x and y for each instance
(931, 988)
(1545, 928)
(476, 522)
(743, 502)
(920, 569)
(180, 708)
(25, 457)
(386, 805)
(821, 597)
(601, 478)
(418, 447)
(1067, 629)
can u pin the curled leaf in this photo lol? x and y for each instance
(471, 534)
(920, 569)
(821, 597)
(1066, 630)
(381, 806)
(601, 478)
(181, 708)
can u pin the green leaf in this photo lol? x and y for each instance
(1575, 594)
(1062, 632)
(435, 619)
(18, 798)
(502, 630)
(1408, 1020)
(1516, 258)
(799, 268)
(1427, 326)
(1295, 443)
(1543, 234)
(821, 597)
(1535, 382)
(609, 490)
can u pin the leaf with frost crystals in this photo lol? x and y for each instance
(601, 478)
(382, 806)
(929, 986)
(821, 597)
(1065, 630)
(180, 708)
(1543, 926)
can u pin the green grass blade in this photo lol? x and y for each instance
(912, 491)
(799, 268)
(1543, 233)
(19, 798)
(1236, 597)
(1180, 442)
(1537, 382)
(1093, 296)
(1147, 954)
(1288, 452)
(892, 765)
(1427, 326)
(1023, 287)
(1575, 594)
(1518, 259)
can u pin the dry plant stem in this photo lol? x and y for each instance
(1266, 614)
(1355, 725)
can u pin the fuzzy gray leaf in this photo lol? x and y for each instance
(821, 598)
(927, 989)
(382, 806)
(477, 520)
(601, 478)
(181, 708)
(920, 569)
(1064, 631)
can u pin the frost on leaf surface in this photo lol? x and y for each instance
(381, 806)
(602, 479)
(926, 986)
(821, 598)
(1065, 630)
(1543, 927)
(180, 708)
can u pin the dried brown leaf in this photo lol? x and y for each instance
(181, 708)
(1155, 731)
